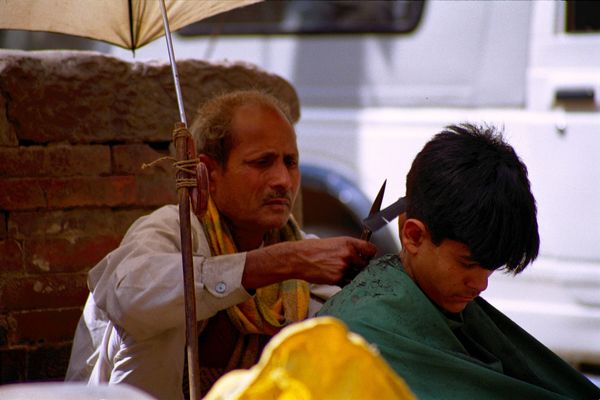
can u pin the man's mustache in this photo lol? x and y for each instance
(285, 194)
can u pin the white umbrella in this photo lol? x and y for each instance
(126, 23)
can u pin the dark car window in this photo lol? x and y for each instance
(583, 16)
(313, 17)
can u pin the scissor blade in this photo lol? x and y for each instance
(375, 207)
(378, 220)
(350, 273)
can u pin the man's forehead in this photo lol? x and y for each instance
(253, 109)
(260, 120)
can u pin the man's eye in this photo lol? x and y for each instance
(291, 162)
(260, 162)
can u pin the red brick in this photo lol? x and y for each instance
(21, 194)
(109, 191)
(56, 160)
(13, 365)
(112, 191)
(48, 363)
(3, 225)
(70, 223)
(77, 160)
(121, 220)
(129, 158)
(43, 292)
(92, 98)
(21, 161)
(11, 256)
(51, 254)
(156, 190)
(8, 327)
(44, 327)
(7, 132)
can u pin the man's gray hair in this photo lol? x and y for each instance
(211, 128)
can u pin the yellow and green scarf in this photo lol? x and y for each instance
(272, 307)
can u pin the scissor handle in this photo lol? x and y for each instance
(366, 234)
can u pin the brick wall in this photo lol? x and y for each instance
(75, 127)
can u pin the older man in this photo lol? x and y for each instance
(252, 271)
(470, 212)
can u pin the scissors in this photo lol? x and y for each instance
(365, 235)
(368, 230)
(378, 219)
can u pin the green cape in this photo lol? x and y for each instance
(420, 343)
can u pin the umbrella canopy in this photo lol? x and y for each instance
(125, 23)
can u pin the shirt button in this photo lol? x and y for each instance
(221, 287)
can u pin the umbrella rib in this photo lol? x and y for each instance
(130, 6)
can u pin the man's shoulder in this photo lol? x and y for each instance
(165, 217)
(169, 210)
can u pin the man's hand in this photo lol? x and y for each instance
(313, 260)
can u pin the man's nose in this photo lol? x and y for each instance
(281, 176)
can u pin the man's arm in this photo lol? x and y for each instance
(313, 260)
(140, 285)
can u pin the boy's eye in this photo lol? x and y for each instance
(470, 265)
(467, 262)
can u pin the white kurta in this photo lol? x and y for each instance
(133, 325)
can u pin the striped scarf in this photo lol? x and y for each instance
(272, 307)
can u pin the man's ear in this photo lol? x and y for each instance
(412, 235)
(211, 165)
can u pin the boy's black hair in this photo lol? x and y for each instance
(467, 184)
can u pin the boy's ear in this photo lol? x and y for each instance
(412, 235)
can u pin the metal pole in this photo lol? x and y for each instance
(181, 145)
(163, 9)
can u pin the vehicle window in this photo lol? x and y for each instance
(313, 17)
(583, 16)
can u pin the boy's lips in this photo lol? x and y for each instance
(466, 299)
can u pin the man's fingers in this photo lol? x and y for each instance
(330, 259)
(366, 250)
(360, 253)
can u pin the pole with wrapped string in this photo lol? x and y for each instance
(192, 184)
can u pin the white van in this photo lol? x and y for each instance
(371, 100)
